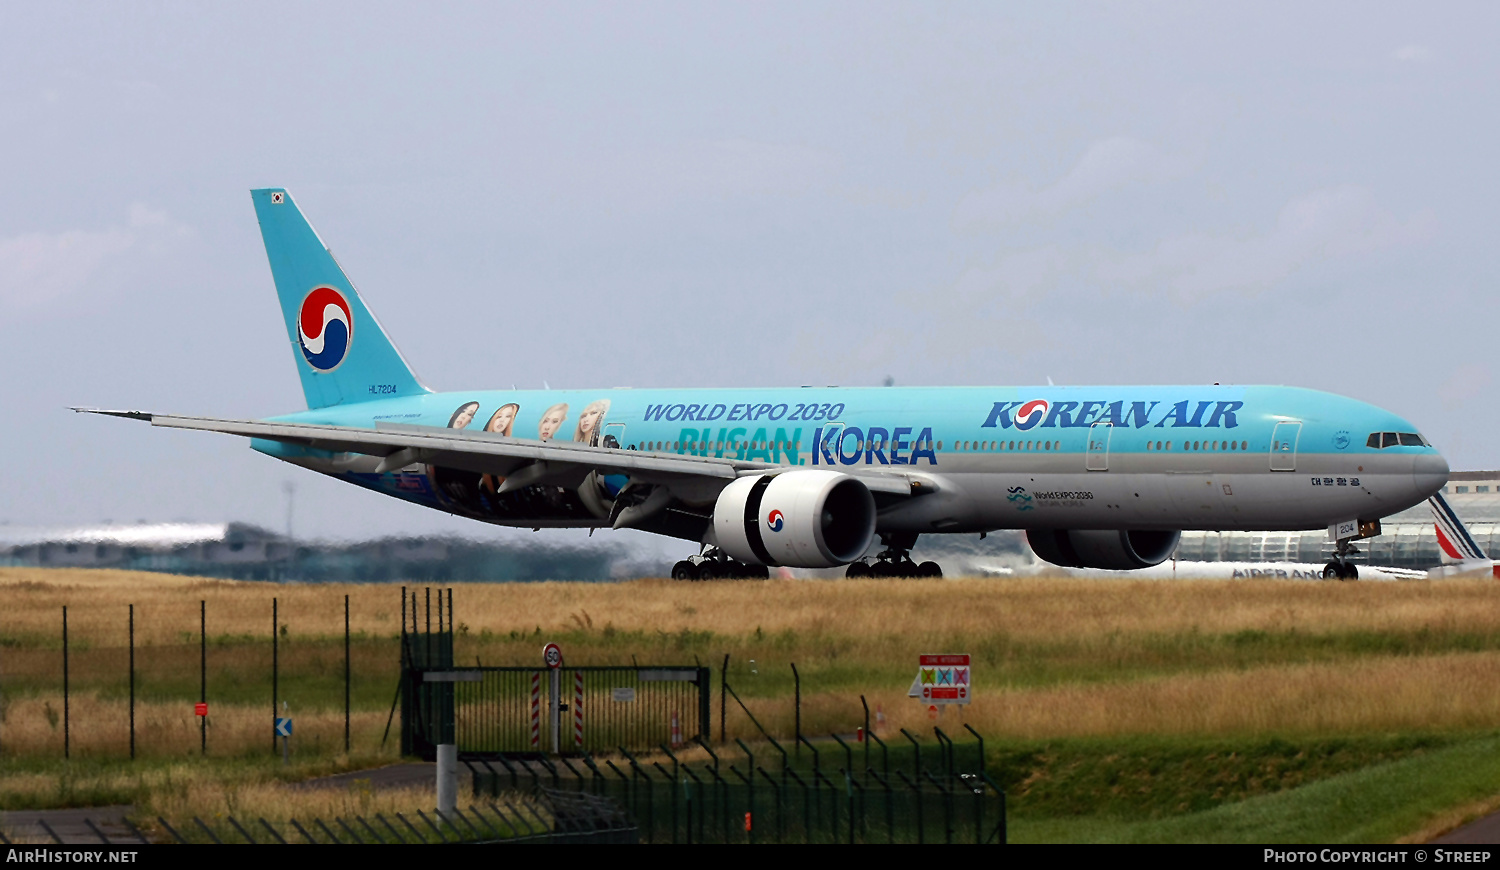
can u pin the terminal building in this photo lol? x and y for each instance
(240, 551)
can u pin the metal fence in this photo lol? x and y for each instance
(540, 815)
(737, 797)
(491, 711)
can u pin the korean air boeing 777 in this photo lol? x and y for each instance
(1102, 477)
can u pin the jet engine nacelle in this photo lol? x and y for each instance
(1112, 550)
(803, 519)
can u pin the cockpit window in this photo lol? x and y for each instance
(1381, 440)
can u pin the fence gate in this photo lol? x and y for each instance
(492, 711)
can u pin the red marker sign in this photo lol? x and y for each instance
(200, 709)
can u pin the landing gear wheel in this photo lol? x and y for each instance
(1351, 572)
(857, 571)
(684, 570)
(1333, 571)
(929, 569)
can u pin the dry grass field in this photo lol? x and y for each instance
(1151, 664)
(1051, 657)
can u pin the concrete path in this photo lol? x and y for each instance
(391, 776)
(71, 826)
(1476, 833)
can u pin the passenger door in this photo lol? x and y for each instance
(1284, 445)
(1098, 452)
(614, 435)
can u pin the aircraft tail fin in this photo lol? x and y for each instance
(343, 355)
(1454, 540)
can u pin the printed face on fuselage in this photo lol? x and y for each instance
(463, 416)
(503, 419)
(552, 420)
(588, 421)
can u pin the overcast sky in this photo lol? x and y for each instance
(707, 194)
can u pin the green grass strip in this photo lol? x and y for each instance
(1375, 805)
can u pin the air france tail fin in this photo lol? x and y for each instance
(1459, 551)
(342, 354)
(1454, 540)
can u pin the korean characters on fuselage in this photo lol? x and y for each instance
(479, 495)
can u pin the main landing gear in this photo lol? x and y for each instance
(894, 560)
(1340, 568)
(714, 564)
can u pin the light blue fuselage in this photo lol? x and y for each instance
(1174, 457)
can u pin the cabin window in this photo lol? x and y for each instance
(1460, 489)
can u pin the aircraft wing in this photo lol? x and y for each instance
(522, 462)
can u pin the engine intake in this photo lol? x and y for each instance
(803, 519)
(1110, 549)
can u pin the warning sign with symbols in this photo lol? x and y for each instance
(943, 679)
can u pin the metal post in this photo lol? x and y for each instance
(346, 674)
(67, 722)
(132, 681)
(797, 683)
(724, 698)
(554, 684)
(917, 764)
(275, 670)
(447, 777)
(428, 662)
(970, 729)
(866, 705)
(203, 672)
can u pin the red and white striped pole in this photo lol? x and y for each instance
(536, 709)
(578, 710)
(676, 729)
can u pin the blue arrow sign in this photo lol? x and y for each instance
(283, 726)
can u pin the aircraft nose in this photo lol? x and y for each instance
(1429, 473)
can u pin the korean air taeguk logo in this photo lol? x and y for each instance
(324, 328)
(1031, 413)
(773, 520)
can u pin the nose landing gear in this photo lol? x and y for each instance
(894, 561)
(1340, 568)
